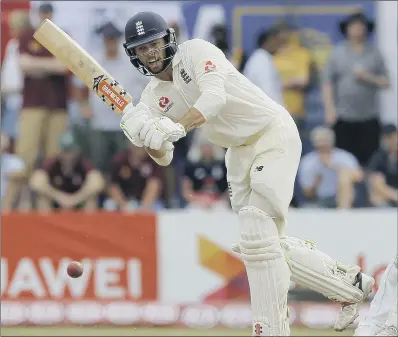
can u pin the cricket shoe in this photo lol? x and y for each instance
(388, 331)
(366, 330)
(349, 312)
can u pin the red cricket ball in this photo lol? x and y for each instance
(74, 269)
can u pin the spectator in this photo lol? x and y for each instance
(205, 180)
(353, 77)
(260, 68)
(67, 181)
(328, 175)
(12, 175)
(106, 138)
(11, 75)
(293, 63)
(219, 37)
(43, 116)
(383, 170)
(136, 182)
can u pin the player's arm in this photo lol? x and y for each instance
(40, 182)
(209, 66)
(377, 178)
(93, 184)
(33, 65)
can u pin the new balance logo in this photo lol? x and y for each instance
(140, 28)
(186, 78)
(229, 190)
(258, 168)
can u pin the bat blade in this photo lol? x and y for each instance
(84, 66)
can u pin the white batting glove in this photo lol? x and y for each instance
(137, 141)
(133, 120)
(161, 129)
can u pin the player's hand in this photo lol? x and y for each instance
(136, 140)
(160, 129)
(133, 120)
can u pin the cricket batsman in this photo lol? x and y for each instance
(194, 85)
(381, 320)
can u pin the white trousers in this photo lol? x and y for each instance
(262, 174)
(381, 305)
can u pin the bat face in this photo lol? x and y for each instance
(83, 65)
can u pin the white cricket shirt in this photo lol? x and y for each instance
(203, 78)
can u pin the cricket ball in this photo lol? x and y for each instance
(74, 269)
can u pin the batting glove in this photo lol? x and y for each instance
(133, 120)
(160, 129)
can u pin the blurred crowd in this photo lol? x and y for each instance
(62, 148)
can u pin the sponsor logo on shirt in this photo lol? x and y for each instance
(186, 78)
(210, 66)
(165, 104)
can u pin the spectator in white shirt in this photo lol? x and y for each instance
(328, 175)
(12, 175)
(260, 68)
(106, 137)
(11, 74)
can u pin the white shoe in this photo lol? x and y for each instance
(349, 312)
(388, 331)
(365, 330)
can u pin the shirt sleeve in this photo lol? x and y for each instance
(210, 67)
(12, 164)
(352, 162)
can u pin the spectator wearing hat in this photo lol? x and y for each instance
(43, 116)
(105, 136)
(353, 77)
(383, 170)
(67, 181)
(260, 68)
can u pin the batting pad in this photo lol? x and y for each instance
(317, 271)
(267, 272)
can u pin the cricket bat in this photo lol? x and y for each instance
(85, 67)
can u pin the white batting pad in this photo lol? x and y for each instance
(317, 271)
(267, 272)
(392, 317)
